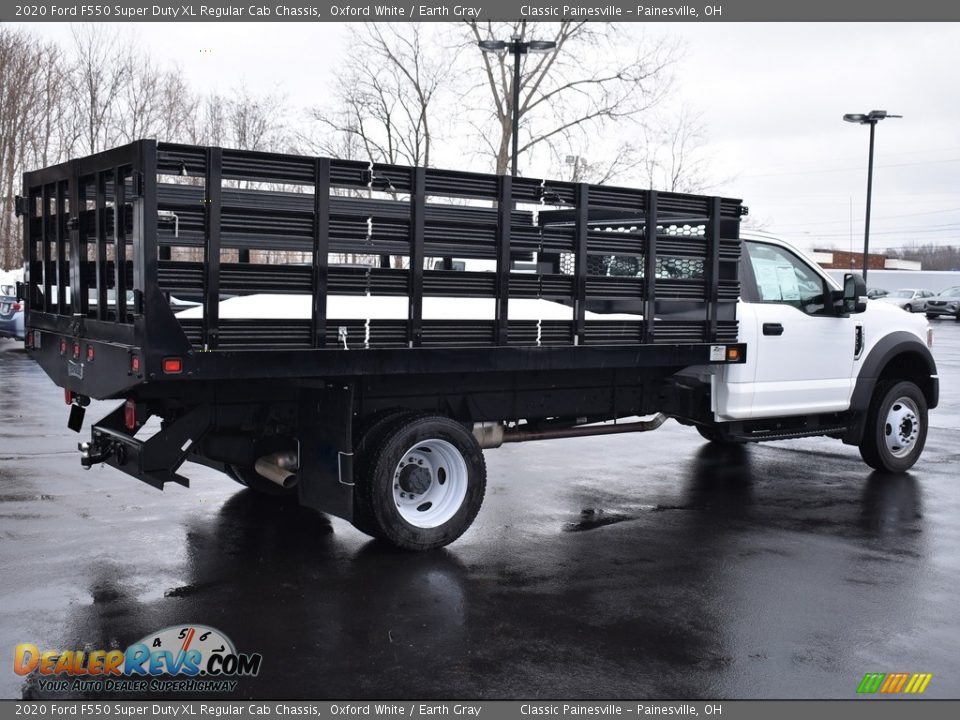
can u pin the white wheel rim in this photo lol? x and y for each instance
(902, 427)
(430, 483)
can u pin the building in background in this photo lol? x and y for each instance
(845, 260)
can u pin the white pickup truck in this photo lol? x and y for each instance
(866, 377)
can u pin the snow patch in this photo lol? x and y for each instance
(345, 307)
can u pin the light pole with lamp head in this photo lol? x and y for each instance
(871, 118)
(516, 47)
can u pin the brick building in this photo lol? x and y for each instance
(846, 260)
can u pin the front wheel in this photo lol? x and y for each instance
(932, 317)
(422, 483)
(896, 427)
(908, 307)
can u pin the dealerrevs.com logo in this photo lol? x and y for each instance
(184, 658)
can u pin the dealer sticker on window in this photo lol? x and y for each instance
(718, 353)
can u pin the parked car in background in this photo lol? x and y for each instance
(11, 313)
(944, 303)
(876, 293)
(910, 299)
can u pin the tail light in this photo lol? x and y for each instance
(68, 396)
(135, 364)
(172, 366)
(63, 346)
(17, 307)
(130, 415)
(90, 353)
(76, 351)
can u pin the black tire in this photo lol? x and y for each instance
(908, 307)
(912, 429)
(379, 477)
(249, 477)
(368, 434)
(711, 434)
(932, 317)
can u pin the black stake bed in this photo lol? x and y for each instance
(120, 242)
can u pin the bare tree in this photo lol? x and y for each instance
(673, 153)
(32, 123)
(16, 99)
(156, 102)
(101, 73)
(588, 80)
(386, 99)
(623, 162)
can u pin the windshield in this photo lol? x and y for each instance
(902, 294)
(950, 292)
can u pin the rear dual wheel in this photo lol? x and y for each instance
(420, 480)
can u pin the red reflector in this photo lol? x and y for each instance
(90, 353)
(130, 415)
(68, 396)
(17, 307)
(134, 363)
(76, 351)
(172, 366)
(63, 347)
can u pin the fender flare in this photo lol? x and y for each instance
(879, 357)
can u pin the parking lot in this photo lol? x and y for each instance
(628, 566)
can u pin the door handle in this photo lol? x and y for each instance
(772, 329)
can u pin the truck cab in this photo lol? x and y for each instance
(814, 367)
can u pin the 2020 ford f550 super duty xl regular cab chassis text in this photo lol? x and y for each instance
(210, 288)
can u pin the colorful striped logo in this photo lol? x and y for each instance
(894, 683)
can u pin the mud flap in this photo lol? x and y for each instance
(326, 450)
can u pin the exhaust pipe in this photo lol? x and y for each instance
(493, 435)
(279, 467)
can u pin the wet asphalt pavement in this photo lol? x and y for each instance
(629, 566)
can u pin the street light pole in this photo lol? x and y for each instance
(516, 107)
(516, 47)
(871, 118)
(866, 222)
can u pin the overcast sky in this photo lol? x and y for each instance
(773, 96)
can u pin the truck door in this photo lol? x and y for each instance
(803, 355)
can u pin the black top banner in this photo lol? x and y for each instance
(440, 10)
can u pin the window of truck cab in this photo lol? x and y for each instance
(779, 276)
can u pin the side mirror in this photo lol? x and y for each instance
(854, 293)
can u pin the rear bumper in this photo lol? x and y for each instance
(93, 368)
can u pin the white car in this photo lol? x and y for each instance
(910, 299)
